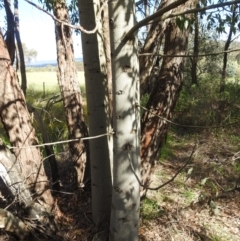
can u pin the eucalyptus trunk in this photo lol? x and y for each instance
(163, 98)
(70, 91)
(98, 92)
(126, 119)
(10, 39)
(20, 49)
(226, 47)
(152, 45)
(17, 123)
(194, 59)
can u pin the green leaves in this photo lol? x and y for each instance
(184, 22)
(224, 18)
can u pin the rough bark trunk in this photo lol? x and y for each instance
(194, 59)
(126, 117)
(152, 45)
(17, 123)
(20, 49)
(225, 55)
(98, 92)
(10, 40)
(70, 91)
(163, 99)
(13, 180)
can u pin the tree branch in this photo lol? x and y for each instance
(182, 55)
(157, 16)
(170, 180)
(13, 224)
(70, 25)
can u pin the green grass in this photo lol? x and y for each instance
(36, 80)
(150, 209)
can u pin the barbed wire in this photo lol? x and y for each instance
(62, 142)
(190, 55)
(189, 126)
(146, 186)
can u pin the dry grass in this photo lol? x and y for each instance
(36, 80)
(201, 204)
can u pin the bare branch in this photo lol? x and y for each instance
(158, 15)
(166, 183)
(182, 55)
(62, 142)
(188, 126)
(70, 25)
(13, 224)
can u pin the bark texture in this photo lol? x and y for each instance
(126, 123)
(20, 49)
(17, 123)
(194, 59)
(70, 91)
(226, 47)
(13, 180)
(10, 30)
(152, 45)
(163, 98)
(98, 92)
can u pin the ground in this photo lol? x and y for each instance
(201, 203)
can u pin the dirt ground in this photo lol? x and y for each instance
(201, 203)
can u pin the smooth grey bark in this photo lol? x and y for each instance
(126, 154)
(97, 92)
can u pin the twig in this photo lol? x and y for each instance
(70, 25)
(158, 15)
(62, 142)
(182, 55)
(164, 184)
(188, 126)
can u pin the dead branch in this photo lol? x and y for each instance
(13, 224)
(166, 183)
(82, 29)
(158, 15)
(181, 55)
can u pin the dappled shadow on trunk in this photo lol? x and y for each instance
(162, 100)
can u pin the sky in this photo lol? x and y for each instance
(37, 32)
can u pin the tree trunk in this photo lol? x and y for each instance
(98, 91)
(10, 40)
(70, 91)
(226, 47)
(163, 98)
(20, 50)
(14, 182)
(17, 123)
(126, 117)
(152, 45)
(194, 59)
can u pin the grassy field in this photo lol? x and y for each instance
(37, 80)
